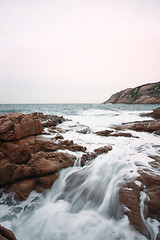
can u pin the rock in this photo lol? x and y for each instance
(49, 120)
(46, 181)
(102, 150)
(154, 114)
(141, 126)
(144, 94)
(15, 126)
(130, 197)
(90, 156)
(30, 162)
(6, 234)
(22, 189)
(111, 133)
(47, 162)
(104, 133)
(121, 134)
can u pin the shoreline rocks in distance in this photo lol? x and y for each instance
(144, 94)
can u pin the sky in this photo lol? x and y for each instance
(76, 51)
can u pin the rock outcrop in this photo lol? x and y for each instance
(29, 162)
(142, 126)
(144, 94)
(130, 196)
(15, 126)
(154, 114)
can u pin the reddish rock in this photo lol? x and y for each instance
(102, 150)
(105, 133)
(121, 134)
(15, 126)
(141, 126)
(30, 162)
(22, 189)
(49, 120)
(154, 114)
(6, 234)
(46, 181)
(6, 171)
(130, 196)
(91, 156)
(47, 162)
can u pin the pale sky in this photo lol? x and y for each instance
(76, 51)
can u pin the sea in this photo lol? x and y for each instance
(83, 203)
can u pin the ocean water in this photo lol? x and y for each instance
(83, 203)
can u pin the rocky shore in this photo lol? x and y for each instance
(144, 94)
(30, 161)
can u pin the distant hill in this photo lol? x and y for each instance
(145, 94)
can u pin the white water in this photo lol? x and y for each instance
(84, 203)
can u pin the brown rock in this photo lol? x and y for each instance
(144, 94)
(154, 114)
(6, 234)
(46, 181)
(111, 133)
(121, 134)
(102, 150)
(130, 196)
(15, 126)
(49, 120)
(105, 133)
(22, 189)
(6, 171)
(47, 162)
(91, 156)
(141, 126)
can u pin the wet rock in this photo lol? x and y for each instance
(102, 150)
(90, 156)
(104, 133)
(22, 189)
(111, 133)
(15, 126)
(31, 162)
(49, 120)
(141, 126)
(151, 182)
(130, 196)
(44, 163)
(6, 234)
(121, 134)
(154, 114)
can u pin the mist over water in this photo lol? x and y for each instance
(84, 201)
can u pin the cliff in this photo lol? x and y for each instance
(144, 94)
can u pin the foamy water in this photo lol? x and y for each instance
(83, 203)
